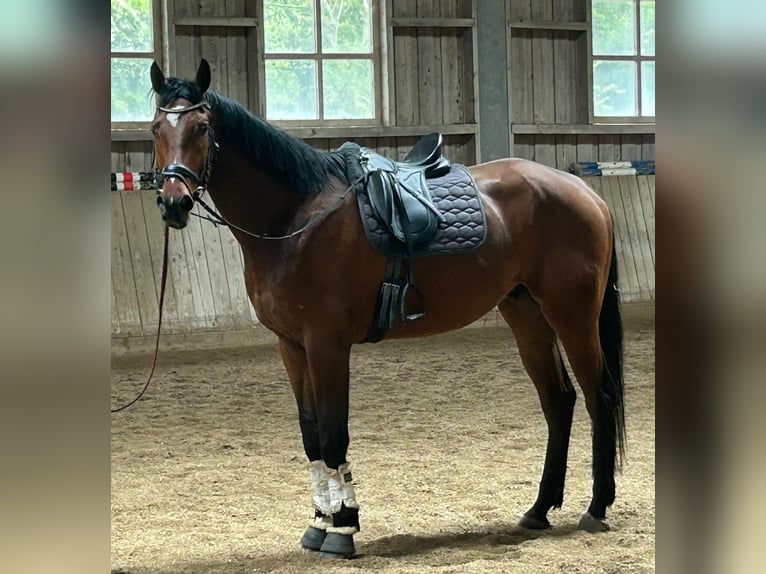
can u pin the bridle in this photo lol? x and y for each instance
(196, 183)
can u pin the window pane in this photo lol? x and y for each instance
(131, 87)
(614, 88)
(614, 27)
(346, 26)
(291, 90)
(132, 26)
(647, 89)
(348, 89)
(289, 26)
(647, 28)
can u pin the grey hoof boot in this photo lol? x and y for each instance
(533, 523)
(337, 545)
(591, 524)
(313, 538)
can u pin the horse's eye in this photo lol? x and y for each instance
(203, 128)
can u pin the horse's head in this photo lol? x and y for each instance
(184, 142)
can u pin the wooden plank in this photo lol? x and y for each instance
(433, 23)
(118, 157)
(581, 74)
(115, 324)
(650, 180)
(217, 22)
(254, 41)
(545, 150)
(524, 147)
(566, 151)
(471, 78)
(552, 26)
(628, 280)
(595, 129)
(647, 254)
(387, 68)
(520, 10)
(429, 67)
(522, 95)
(213, 255)
(452, 63)
(155, 231)
(236, 55)
(637, 239)
(609, 148)
(648, 209)
(196, 259)
(406, 65)
(235, 279)
(647, 147)
(123, 284)
(186, 40)
(184, 287)
(542, 77)
(381, 131)
(631, 147)
(587, 148)
(595, 184)
(143, 274)
(541, 11)
(564, 88)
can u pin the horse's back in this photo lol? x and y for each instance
(515, 185)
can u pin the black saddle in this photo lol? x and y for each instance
(399, 194)
(401, 201)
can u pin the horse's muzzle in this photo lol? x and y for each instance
(175, 209)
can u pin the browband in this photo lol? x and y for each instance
(202, 104)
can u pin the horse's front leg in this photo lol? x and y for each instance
(296, 365)
(328, 371)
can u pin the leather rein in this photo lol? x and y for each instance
(197, 186)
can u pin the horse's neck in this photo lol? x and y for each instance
(252, 199)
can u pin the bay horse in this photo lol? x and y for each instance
(548, 263)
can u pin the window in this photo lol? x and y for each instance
(623, 59)
(135, 44)
(319, 62)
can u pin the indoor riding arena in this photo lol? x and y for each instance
(210, 467)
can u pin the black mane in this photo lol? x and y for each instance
(291, 160)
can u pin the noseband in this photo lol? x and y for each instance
(196, 183)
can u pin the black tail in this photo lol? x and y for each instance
(610, 334)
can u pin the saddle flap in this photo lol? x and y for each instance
(380, 191)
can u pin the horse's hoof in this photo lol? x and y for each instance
(534, 523)
(591, 524)
(313, 538)
(337, 546)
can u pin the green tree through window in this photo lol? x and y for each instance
(319, 59)
(133, 49)
(623, 58)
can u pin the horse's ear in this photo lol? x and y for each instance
(203, 76)
(158, 78)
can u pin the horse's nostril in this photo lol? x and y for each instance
(160, 201)
(187, 203)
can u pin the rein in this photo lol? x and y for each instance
(163, 282)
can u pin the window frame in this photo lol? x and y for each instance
(318, 56)
(158, 8)
(637, 58)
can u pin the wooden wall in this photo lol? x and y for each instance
(549, 75)
(431, 74)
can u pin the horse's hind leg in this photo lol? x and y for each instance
(541, 358)
(586, 317)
